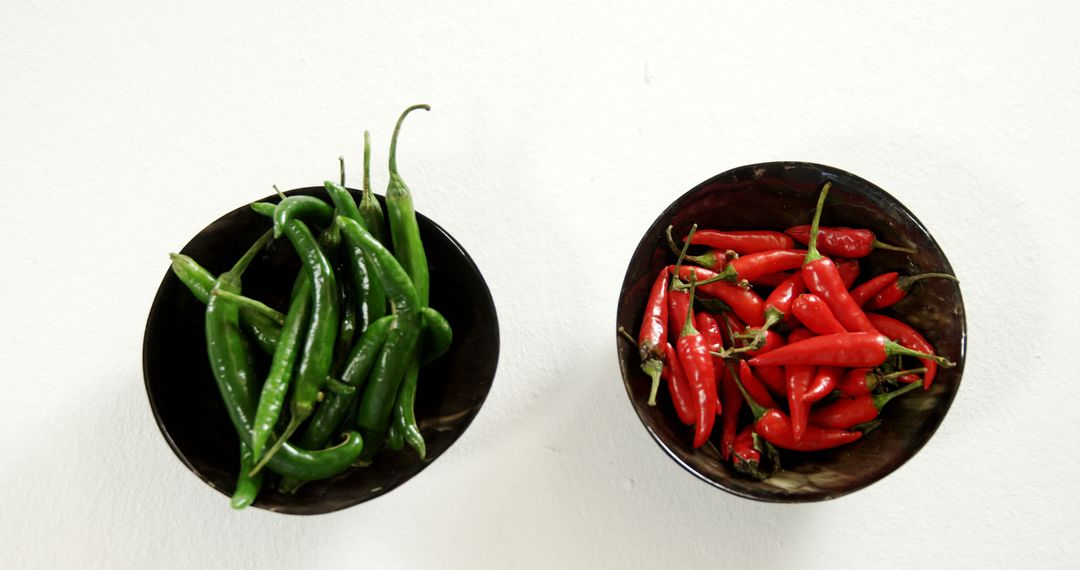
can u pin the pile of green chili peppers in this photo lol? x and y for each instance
(346, 354)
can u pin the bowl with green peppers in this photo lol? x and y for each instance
(319, 347)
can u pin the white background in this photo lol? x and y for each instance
(557, 134)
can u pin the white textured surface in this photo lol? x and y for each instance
(556, 136)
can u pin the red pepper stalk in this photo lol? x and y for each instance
(865, 380)
(697, 365)
(653, 333)
(848, 412)
(775, 427)
(850, 350)
(746, 454)
(905, 335)
(777, 308)
(823, 279)
(899, 289)
(843, 242)
(815, 315)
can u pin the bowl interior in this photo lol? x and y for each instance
(776, 196)
(187, 405)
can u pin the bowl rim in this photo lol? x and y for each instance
(155, 308)
(826, 173)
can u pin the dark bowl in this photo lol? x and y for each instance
(777, 195)
(187, 405)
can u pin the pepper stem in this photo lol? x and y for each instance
(397, 129)
(627, 336)
(902, 373)
(904, 283)
(881, 245)
(249, 255)
(252, 304)
(682, 253)
(279, 192)
(757, 409)
(341, 169)
(294, 423)
(893, 348)
(812, 252)
(367, 162)
(702, 260)
(654, 368)
(881, 399)
(688, 325)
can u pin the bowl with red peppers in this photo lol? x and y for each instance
(790, 332)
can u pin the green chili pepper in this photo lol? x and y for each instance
(404, 414)
(318, 350)
(282, 366)
(338, 387)
(404, 230)
(437, 334)
(263, 330)
(247, 487)
(377, 403)
(328, 417)
(231, 363)
(395, 437)
(305, 208)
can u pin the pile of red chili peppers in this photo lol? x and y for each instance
(757, 320)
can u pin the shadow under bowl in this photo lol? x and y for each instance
(776, 196)
(188, 407)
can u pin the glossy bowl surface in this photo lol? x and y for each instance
(188, 408)
(775, 196)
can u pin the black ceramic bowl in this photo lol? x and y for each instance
(187, 405)
(775, 196)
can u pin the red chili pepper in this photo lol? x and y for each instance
(730, 401)
(848, 269)
(843, 242)
(678, 386)
(865, 380)
(847, 412)
(866, 291)
(825, 380)
(698, 366)
(713, 259)
(777, 428)
(778, 303)
(746, 303)
(771, 279)
(754, 386)
(910, 338)
(815, 315)
(678, 305)
(754, 265)
(653, 333)
(746, 458)
(798, 382)
(773, 377)
(850, 350)
(823, 279)
(900, 288)
(743, 242)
